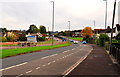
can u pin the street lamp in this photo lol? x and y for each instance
(113, 23)
(69, 28)
(105, 14)
(52, 23)
(69, 25)
(94, 24)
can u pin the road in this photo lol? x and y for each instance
(50, 62)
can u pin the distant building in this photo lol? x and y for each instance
(119, 12)
(76, 33)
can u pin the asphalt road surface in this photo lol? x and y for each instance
(50, 62)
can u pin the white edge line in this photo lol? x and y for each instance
(14, 66)
(75, 65)
(49, 56)
(45, 57)
(28, 71)
(38, 68)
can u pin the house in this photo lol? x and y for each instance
(76, 33)
(98, 31)
(116, 31)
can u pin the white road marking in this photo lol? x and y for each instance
(72, 49)
(49, 56)
(53, 55)
(43, 65)
(49, 63)
(28, 71)
(53, 61)
(45, 57)
(38, 68)
(19, 75)
(14, 66)
(66, 51)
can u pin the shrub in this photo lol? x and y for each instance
(102, 39)
(91, 41)
(3, 39)
(41, 39)
(107, 45)
(22, 38)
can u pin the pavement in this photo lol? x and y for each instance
(97, 64)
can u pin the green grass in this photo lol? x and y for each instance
(45, 42)
(76, 38)
(12, 52)
(9, 45)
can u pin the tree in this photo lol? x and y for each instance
(42, 29)
(32, 29)
(12, 36)
(3, 39)
(3, 30)
(87, 32)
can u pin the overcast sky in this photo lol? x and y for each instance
(20, 14)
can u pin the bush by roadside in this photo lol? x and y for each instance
(3, 39)
(41, 39)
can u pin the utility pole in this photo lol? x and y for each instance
(113, 23)
(53, 23)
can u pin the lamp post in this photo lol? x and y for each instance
(52, 23)
(105, 14)
(113, 23)
(94, 24)
(69, 28)
(69, 25)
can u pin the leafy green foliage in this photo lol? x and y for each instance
(102, 39)
(12, 36)
(42, 29)
(3, 39)
(32, 29)
(41, 39)
(22, 38)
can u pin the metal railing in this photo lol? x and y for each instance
(115, 52)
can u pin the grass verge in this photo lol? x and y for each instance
(76, 38)
(17, 51)
(9, 45)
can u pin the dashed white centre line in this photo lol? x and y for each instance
(53, 61)
(49, 56)
(43, 65)
(53, 55)
(65, 51)
(13, 66)
(19, 75)
(49, 63)
(45, 57)
(28, 71)
(38, 68)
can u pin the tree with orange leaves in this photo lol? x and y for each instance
(87, 32)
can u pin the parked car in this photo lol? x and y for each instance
(71, 40)
(75, 42)
(84, 42)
